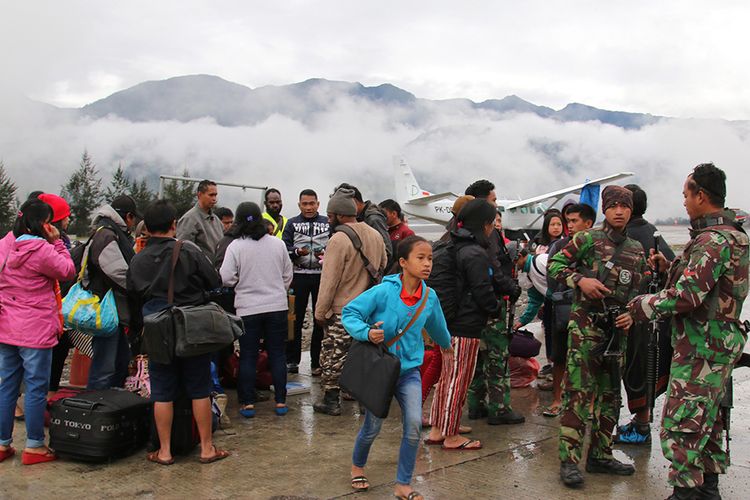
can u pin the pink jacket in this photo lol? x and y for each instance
(29, 315)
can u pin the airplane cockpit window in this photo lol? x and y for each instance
(501, 209)
(539, 210)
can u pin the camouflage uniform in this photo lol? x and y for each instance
(704, 293)
(333, 349)
(586, 373)
(491, 381)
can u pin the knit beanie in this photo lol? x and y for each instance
(60, 207)
(612, 195)
(342, 203)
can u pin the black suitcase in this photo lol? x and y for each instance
(185, 435)
(99, 425)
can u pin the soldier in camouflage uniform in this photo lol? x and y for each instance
(605, 268)
(704, 294)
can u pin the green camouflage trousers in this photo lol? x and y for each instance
(691, 432)
(587, 377)
(333, 349)
(491, 384)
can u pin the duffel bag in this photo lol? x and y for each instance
(204, 329)
(524, 345)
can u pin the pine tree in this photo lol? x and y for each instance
(83, 192)
(8, 202)
(181, 194)
(142, 195)
(120, 185)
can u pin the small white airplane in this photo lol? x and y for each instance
(519, 216)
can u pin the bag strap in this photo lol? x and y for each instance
(357, 244)
(413, 318)
(86, 251)
(175, 258)
(608, 265)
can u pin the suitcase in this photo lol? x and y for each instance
(184, 437)
(99, 425)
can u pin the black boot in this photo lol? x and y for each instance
(570, 474)
(506, 417)
(709, 490)
(609, 466)
(331, 404)
(684, 494)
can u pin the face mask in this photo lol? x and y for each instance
(524, 281)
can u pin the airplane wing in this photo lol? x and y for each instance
(431, 198)
(569, 190)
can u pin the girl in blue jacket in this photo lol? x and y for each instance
(380, 314)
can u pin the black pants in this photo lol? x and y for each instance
(59, 355)
(304, 285)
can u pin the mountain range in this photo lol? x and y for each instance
(192, 97)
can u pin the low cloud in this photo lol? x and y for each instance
(355, 140)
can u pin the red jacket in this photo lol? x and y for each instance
(399, 232)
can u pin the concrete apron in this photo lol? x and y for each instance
(308, 455)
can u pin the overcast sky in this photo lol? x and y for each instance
(676, 58)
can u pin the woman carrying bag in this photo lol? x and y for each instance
(380, 315)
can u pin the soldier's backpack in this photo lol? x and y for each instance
(444, 278)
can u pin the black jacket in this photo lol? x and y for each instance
(502, 266)
(643, 231)
(194, 276)
(374, 217)
(477, 301)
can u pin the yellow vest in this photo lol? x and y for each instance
(277, 231)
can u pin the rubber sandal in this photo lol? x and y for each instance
(36, 458)
(7, 453)
(432, 442)
(411, 496)
(218, 455)
(464, 429)
(552, 411)
(154, 457)
(281, 411)
(248, 411)
(360, 480)
(465, 446)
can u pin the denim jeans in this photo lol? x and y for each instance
(409, 397)
(34, 367)
(109, 366)
(272, 327)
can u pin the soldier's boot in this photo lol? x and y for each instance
(684, 494)
(506, 417)
(709, 490)
(608, 466)
(570, 474)
(331, 404)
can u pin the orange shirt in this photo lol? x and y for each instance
(411, 300)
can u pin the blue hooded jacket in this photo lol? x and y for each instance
(383, 303)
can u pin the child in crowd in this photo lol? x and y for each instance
(380, 315)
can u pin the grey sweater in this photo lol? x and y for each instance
(260, 272)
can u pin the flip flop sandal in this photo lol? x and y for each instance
(552, 411)
(465, 430)
(219, 455)
(411, 496)
(465, 446)
(7, 453)
(360, 480)
(154, 457)
(37, 458)
(432, 442)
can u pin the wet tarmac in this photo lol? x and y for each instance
(308, 455)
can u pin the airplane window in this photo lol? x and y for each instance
(512, 210)
(502, 209)
(524, 210)
(539, 210)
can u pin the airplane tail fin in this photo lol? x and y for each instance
(407, 187)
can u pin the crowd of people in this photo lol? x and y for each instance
(442, 308)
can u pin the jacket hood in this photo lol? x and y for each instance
(21, 251)
(106, 211)
(394, 280)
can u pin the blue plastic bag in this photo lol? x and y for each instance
(83, 311)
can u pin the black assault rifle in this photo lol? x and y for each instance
(613, 353)
(652, 355)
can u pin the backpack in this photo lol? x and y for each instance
(375, 274)
(444, 278)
